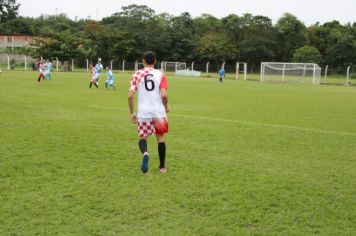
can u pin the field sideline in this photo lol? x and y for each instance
(243, 158)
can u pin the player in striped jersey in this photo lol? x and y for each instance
(93, 77)
(151, 86)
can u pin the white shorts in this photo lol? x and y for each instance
(109, 81)
(95, 77)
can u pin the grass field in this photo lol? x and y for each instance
(243, 158)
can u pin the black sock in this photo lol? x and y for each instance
(142, 144)
(162, 154)
(96, 85)
(39, 79)
(91, 83)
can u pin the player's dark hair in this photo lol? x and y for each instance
(149, 57)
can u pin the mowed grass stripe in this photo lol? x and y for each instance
(204, 118)
(267, 125)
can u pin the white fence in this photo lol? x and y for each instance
(11, 61)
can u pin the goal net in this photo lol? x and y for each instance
(174, 66)
(139, 66)
(290, 72)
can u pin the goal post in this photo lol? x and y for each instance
(290, 72)
(173, 66)
(348, 75)
(243, 66)
(139, 65)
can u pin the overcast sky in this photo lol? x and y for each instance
(308, 11)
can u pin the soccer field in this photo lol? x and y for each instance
(242, 158)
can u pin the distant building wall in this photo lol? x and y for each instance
(16, 40)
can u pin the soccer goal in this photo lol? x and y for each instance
(174, 66)
(290, 72)
(139, 66)
(241, 70)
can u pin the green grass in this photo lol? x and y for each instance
(243, 158)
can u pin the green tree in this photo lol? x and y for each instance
(259, 40)
(18, 26)
(317, 38)
(307, 54)
(138, 22)
(8, 10)
(57, 23)
(214, 48)
(64, 46)
(292, 34)
(115, 45)
(336, 43)
(206, 24)
(94, 32)
(137, 12)
(341, 46)
(157, 35)
(182, 38)
(235, 26)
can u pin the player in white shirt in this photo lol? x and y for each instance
(49, 69)
(151, 86)
(93, 77)
(41, 70)
(99, 69)
(110, 78)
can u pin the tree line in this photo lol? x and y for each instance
(135, 29)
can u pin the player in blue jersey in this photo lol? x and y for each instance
(99, 69)
(221, 74)
(110, 78)
(49, 69)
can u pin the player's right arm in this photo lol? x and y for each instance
(165, 99)
(131, 98)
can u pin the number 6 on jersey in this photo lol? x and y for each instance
(148, 81)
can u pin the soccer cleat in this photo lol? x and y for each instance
(163, 170)
(144, 166)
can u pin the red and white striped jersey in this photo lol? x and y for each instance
(41, 67)
(148, 82)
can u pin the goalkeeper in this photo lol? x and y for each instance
(221, 74)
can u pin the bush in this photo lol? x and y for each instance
(307, 54)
